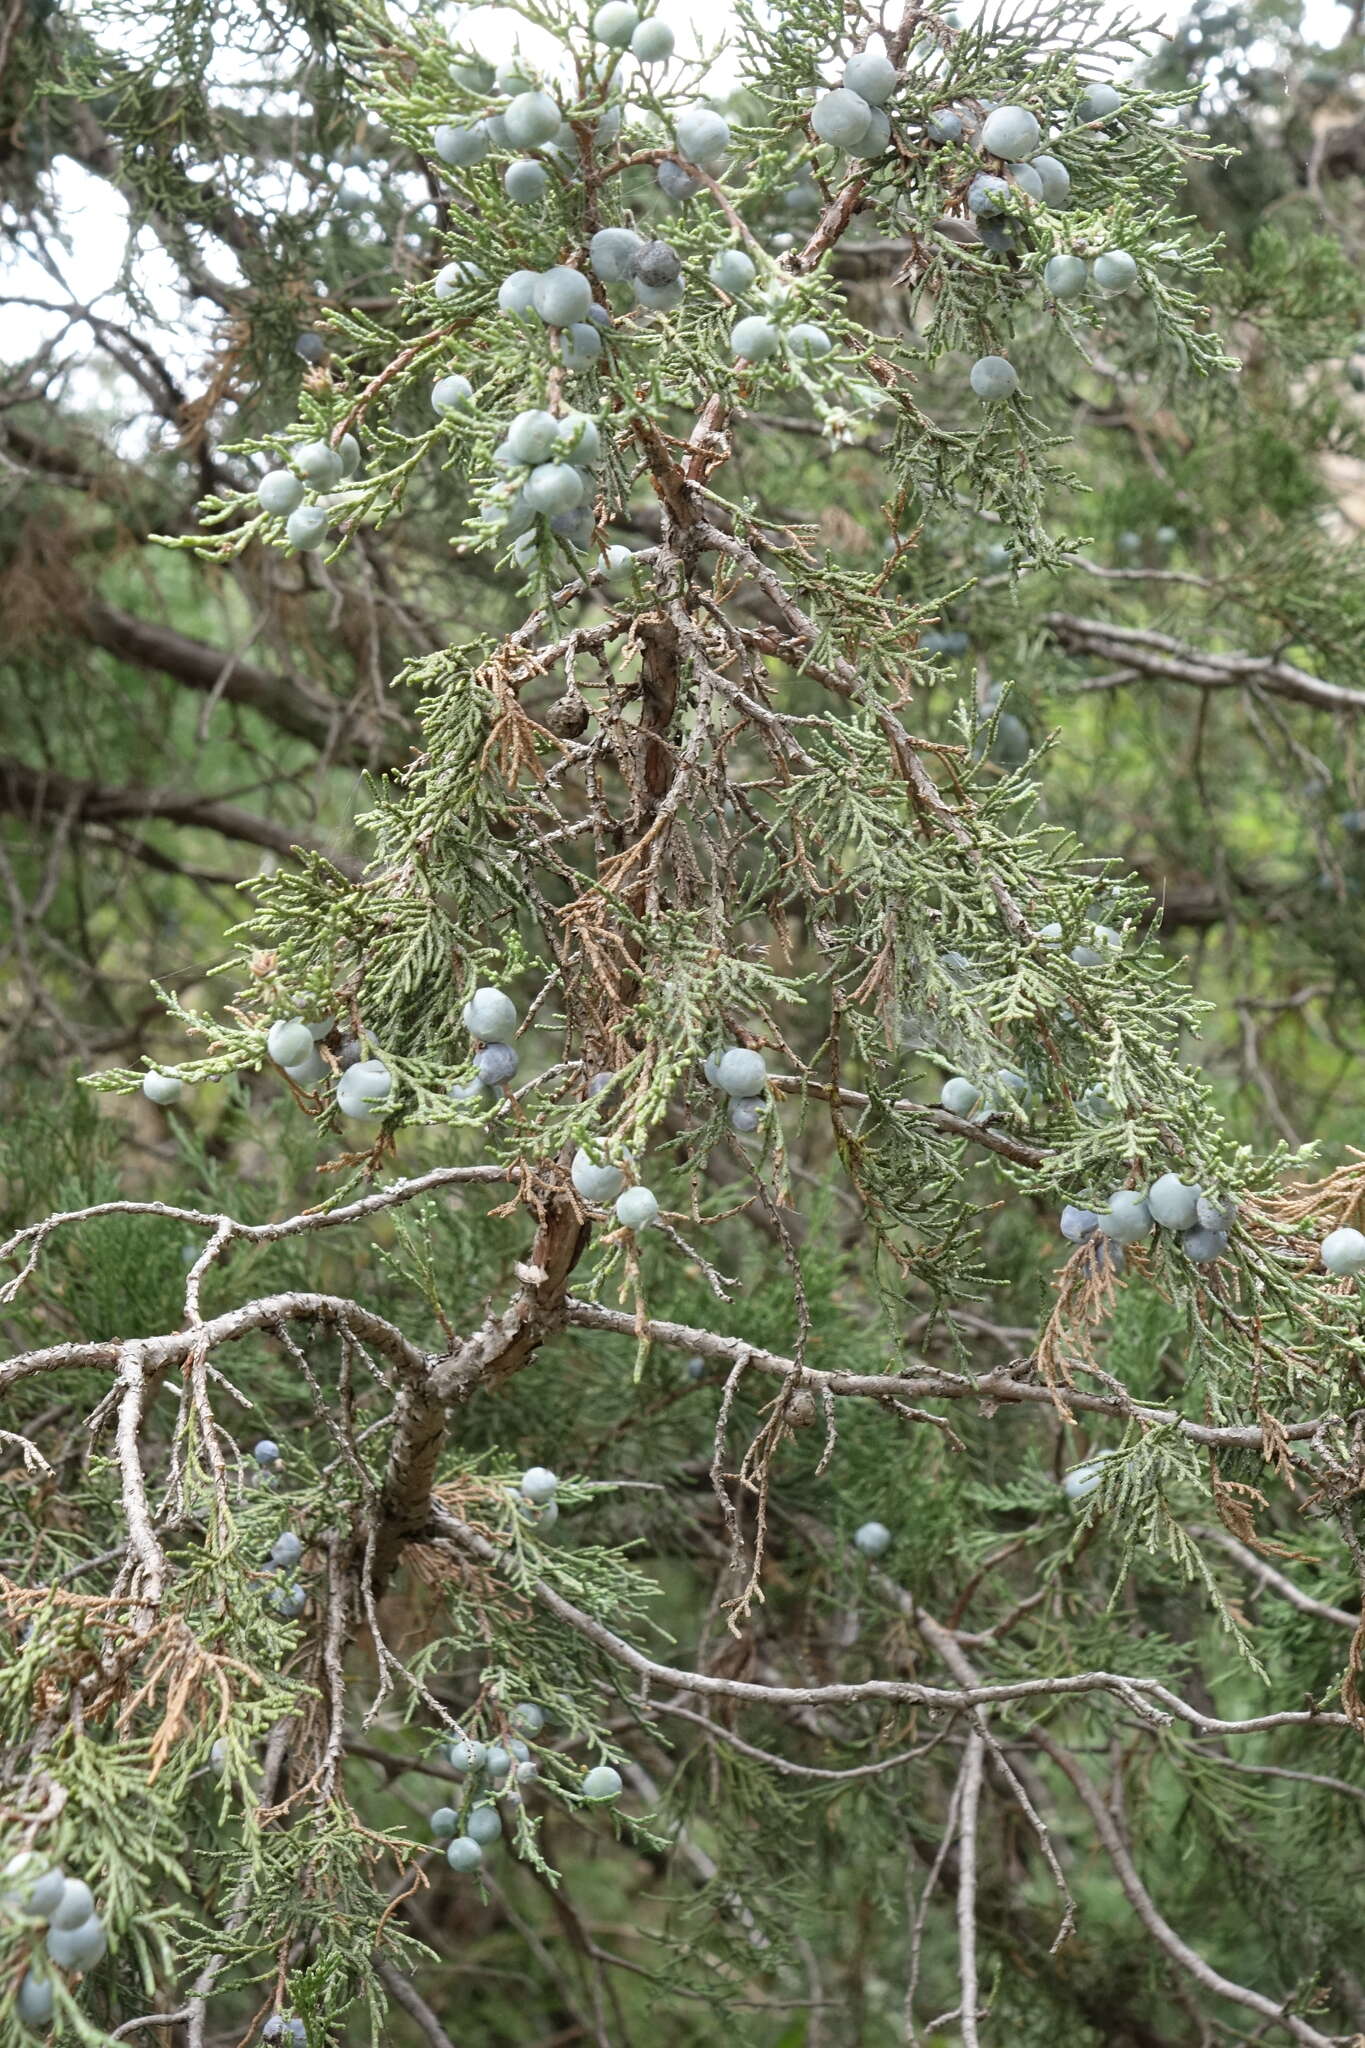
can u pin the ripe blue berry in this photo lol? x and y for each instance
(33, 2001)
(516, 294)
(675, 183)
(288, 1041)
(732, 271)
(319, 463)
(467, 1756)
(872, 76)
(652, 42)
(746, 1113)
(1113, 272)
(266, 1452)
(532, 436)
(364, 1088)
(612, 252)
(525, 182)
(538, 1485)
(993, 379)
(1077, 1224)
(1128, 1219)
(286, 1550)
(561, 296)
(873, 1539)
(602, 1782)
(1216, 1212)
(162, 1089)
(554, 487)
(659, 298)
(944, 126)
(596, 1183)
(1099, 102)
(490, 1015)
(462, 145)
(636, 1208)
(451, 394)
(1343, 1252)
(306, 529)
(959, 1096)
(1174, 1202)
(1010, 132)
(702, 134)
(531, 119)
(1204, 1246)
(526, 1716)
(496, 1064)
(497, 1763)
(483, 1824)
(841, 118)
(741, 1071)
(279, 493)
(464, 1854)
(581, 346)
(1065, 276)
(74, 1905)
(1027, 180)
(445, 1822)
(1055, 177)
(615, 23)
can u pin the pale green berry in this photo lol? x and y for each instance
(538, 1484)
(959, 1096)
(532, 437)
(527, 1717)
(163, 1089)
(319, 462)
(602, 1782)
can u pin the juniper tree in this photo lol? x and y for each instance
(618, 1459)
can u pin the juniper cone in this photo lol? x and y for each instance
(728, 603)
